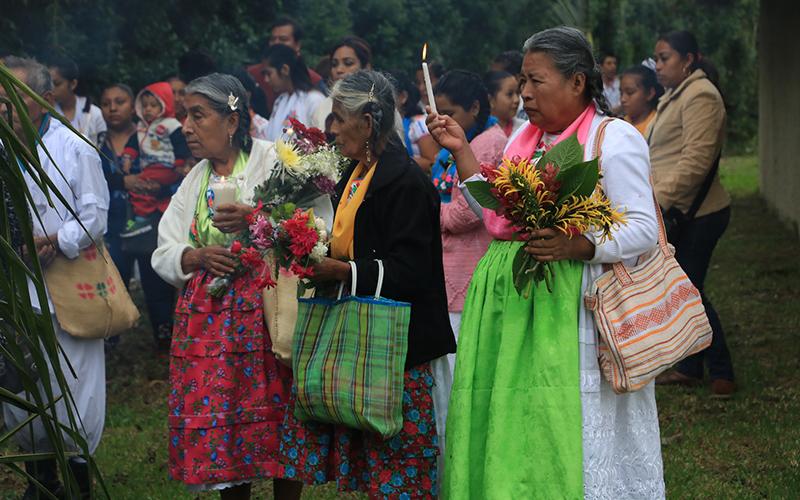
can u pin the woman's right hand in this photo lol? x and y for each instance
(447, 133)
(215, 259)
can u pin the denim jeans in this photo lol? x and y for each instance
(693, 252)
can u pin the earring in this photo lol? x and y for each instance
(230, 140)
(369, 155)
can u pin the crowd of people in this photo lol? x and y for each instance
(522, 410)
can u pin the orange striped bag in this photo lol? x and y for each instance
(648, 317)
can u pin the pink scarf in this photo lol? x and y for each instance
(523, 147)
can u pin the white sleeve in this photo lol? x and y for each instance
(85, 177)
(625, 162)
(471, 201)
(97, 124)
(173, 237)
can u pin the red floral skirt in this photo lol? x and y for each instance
(402, 467)
(229, 394)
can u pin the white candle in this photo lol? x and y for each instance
(427, 75)
(224, 192)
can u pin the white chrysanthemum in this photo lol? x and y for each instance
(319, 251)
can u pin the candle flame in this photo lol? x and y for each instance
(425, 52)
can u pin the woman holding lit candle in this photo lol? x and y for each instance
(387, 210)
(530, 414)
(229, 393)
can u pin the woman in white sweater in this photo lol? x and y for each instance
(229, 392)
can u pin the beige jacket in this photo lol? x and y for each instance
(685, 138)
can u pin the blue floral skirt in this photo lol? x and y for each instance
(402, 467)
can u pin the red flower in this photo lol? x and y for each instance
(251, 258)
(236, 247)
(251, 217)
(489, 171)
(302, 236)
(315, 136)
(266, 281)
(297, 126)
(301, 271)
(385, 476)
(410, 428)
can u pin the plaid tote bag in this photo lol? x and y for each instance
(348, 359)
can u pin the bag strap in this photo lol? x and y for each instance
(354, 280)
(380, 279)
(704, 189)
(599, 136)
(618, 267)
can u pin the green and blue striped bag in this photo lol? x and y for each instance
(348, 359)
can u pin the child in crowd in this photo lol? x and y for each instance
(162, 149)
(504, 99)
(640, 92)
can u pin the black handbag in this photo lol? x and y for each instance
(675, 221)
(141, 236)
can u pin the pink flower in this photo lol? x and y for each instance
(261, 232)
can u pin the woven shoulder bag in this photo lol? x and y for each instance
(648, 316)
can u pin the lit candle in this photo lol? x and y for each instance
(427, 75)
(224, 192)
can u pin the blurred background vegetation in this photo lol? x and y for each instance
(140, 41)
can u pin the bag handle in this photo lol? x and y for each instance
(354, 280)
(619, 268)
(380, 279)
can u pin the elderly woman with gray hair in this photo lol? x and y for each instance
(229, 393)
(387, 210)
(530, 414)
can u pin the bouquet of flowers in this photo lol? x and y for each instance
(558, 191)
(307, 167)
(289, 237)
(279, 231)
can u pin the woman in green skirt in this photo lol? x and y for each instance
(530, 415)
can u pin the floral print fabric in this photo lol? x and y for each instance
(402, 467)
(228, 393)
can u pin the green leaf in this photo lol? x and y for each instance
(480, 190)
(578, 180)
(564, 154)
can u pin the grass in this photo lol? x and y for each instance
(747, 447)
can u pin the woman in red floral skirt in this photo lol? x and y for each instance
(229, 393)
(388, 210)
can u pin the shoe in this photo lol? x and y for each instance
(722, 389)
(46, 472)
(80, 471)
(674, 377)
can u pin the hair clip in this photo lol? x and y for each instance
(233, 102)
(371, 96)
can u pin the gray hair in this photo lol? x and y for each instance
(571, 53)
(37, 76)
(370, 92)
(217, 88)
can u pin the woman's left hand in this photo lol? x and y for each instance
(549, 245)
(331, 270)
(232, 217)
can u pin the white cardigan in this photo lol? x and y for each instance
(173, 230)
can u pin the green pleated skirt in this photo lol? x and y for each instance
(514, 418)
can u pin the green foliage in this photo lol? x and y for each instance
(480, 190)
(139, 41)
(26, 334)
